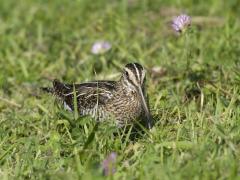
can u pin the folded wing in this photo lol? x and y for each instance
(88, 95)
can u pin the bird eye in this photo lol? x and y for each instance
(126, 73)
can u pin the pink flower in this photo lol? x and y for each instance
(109, 164)
(180, 23)
(100, 47)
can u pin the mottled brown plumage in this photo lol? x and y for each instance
(122, 100)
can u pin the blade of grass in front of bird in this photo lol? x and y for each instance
(126, 140)
(75, 104)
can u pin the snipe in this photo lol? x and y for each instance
(123, 100)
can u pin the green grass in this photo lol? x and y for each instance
(195, 103)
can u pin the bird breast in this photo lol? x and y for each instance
(125, 106)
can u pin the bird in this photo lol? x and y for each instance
(124, 100)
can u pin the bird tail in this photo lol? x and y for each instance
(47, 90)
(56, 89)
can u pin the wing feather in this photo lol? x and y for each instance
(88, 94)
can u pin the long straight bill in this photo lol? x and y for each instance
(146, 110)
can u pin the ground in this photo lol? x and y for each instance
(192, 79)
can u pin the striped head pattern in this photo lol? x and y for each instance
(133, 76)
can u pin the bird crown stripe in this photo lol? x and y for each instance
(132, 76)
(134, 69)
(137, 72)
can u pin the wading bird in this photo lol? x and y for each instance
(123, 100)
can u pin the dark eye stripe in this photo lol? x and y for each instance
(127, 74)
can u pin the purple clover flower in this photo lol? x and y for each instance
(180, 23)
(109, 164)
(100, 47)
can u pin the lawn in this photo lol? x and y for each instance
(192, 82)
